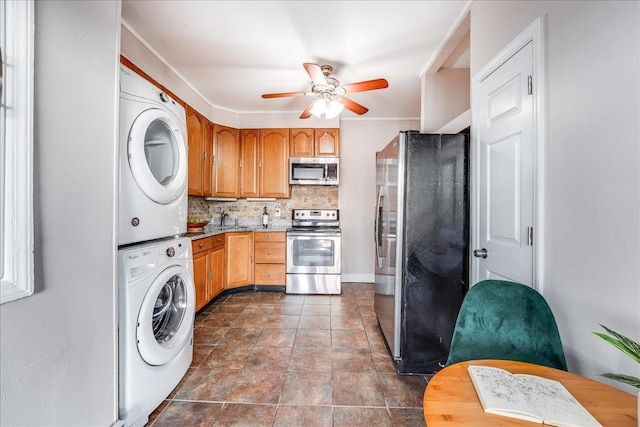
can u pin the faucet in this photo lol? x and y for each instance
(222, 217)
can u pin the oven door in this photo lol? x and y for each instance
(313, 253)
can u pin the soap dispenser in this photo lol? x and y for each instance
(265, 218)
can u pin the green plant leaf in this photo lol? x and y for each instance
(621, 342)
(627, 379)
(632, 346)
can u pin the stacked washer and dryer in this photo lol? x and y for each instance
(156, 294)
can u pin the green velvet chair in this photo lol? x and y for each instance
(508, 321)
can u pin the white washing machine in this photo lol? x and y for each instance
(152, 162)
(156, 296)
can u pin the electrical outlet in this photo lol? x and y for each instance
(277, 212)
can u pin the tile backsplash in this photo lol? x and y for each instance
(302, 197)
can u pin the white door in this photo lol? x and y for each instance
(505, 172)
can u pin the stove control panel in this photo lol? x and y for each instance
(316, 214)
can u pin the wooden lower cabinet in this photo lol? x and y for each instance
(270, 258)
(208, 268)
(239, 259)
(236, 259)
(216, 257)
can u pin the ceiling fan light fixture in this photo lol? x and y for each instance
(330, 108)
(333, 109)
(319, 108)
(329, 93)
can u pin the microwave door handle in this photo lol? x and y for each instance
(326, 171)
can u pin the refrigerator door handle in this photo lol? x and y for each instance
(378, 227)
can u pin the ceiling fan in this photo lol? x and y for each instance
(330, 93)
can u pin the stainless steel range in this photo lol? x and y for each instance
(313, 252)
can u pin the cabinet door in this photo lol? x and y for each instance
(249, 143)
(201, 278)
(196, 152)
(274, 163)
(207, 145)
(216, 260)
(327, 142)
(226, 161)
(301, 142)
(239, 256)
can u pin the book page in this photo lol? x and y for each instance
(499, 393)
(554, 402)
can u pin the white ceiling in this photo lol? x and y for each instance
(232, 52)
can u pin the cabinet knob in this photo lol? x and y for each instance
(219, 240)
(268, 274)
(269, 237)
(200, 245)
(268, 252)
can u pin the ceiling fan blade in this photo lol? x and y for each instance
(283, 94)
(353, 106)
(307, 111)
(366, 85)
(316, 74)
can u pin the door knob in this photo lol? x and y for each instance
(480, 253)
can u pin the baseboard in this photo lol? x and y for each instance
(361, 278)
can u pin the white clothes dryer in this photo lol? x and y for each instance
(152, 162)
(156, 297)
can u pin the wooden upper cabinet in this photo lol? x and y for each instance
(226, 162)
(274, 163)
(207, 168)
(200, 140)
(315, 142)
(301, 142)
(196, 152)
(249, 156)
(327, 142)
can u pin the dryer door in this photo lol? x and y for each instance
(158, 155)
(165, 321)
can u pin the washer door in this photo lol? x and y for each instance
(158, 155)
(165, 321)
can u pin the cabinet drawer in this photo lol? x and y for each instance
(270, 236)
(217, 241)
(267, 252)
(270, 274)
(201, 245)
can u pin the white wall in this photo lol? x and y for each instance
(141, 54)
(445, 95)
(58, 362)
(591, 239)
(359, 141)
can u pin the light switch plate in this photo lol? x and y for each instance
(277, 212)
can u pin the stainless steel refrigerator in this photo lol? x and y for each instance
(421, 237)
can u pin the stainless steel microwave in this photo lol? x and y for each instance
(314, 170)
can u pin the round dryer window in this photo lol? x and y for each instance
(165, 321)
(158, 156)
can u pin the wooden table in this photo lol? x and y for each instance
(450, 399)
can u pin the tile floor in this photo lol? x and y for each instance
(271, 359)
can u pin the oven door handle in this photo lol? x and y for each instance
(313, 235)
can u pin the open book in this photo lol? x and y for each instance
(528, 397)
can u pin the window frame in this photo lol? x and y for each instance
(16, 147)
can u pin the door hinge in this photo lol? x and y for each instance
(530, 85)
(530, 236)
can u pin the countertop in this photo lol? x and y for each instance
(216, 230)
